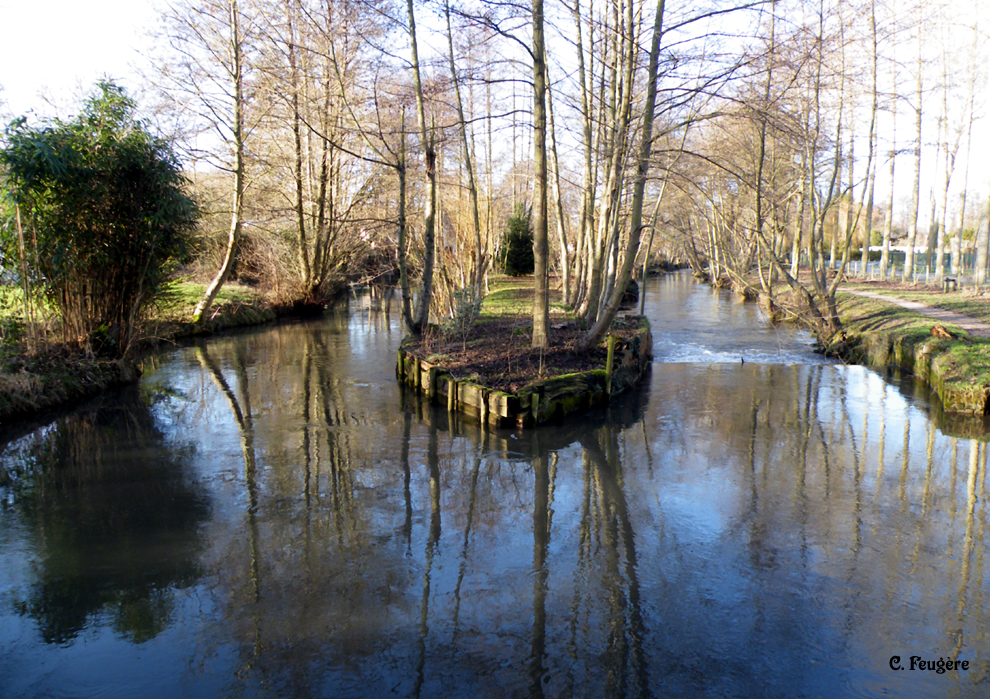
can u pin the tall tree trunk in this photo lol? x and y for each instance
(401, 242)
(888, 218)
(762, 153)
(429, 215)
(234, 235)
(303, 250)
(982, 245)
(799, 223)
(639, 189)
(871, 157)
(588, 185)
(916, 187)
(565, 266)
(958, 258)
(951, 152)
(478, 273)
(541, 299)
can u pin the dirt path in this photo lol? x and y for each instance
(976, 328)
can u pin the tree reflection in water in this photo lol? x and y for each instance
(704, 536)
(114, 515)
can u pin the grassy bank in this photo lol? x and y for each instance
(55, 376)
(963, 302)
(880, 333)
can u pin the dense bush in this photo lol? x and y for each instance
(104, 206)
(516, 258)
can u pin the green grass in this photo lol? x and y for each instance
(513, 297)
(958, 302)
(180, 298)
(962, 363)
(859, 314)
(176, 301)
(174, 305)
(509, 296)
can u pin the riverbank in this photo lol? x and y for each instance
(56, 376)
(951, 357)
(943, 339)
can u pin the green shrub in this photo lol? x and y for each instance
(516, 257)
(108, 215)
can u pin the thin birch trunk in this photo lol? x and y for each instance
(478, 273)
(916, 187)
(236, 224)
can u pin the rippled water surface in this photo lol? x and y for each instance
(269, 515)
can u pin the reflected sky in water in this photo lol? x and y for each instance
(269, 514)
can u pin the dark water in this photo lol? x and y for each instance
(269, 515)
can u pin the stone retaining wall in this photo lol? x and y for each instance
(927, 359)
(546, 400)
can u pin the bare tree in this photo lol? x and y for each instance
(208, 41)
(541, 298)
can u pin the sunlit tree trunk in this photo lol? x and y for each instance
(237, 143)
(541, 300)
(958, 257)
(871, 157)
(586, 223)
(303, 249)
(799, 220)
(565, 258)
(401, 243)
(982, 242)
(912, 240)
(430, 158)
(480, 263)
(888, 218)
(639, 190)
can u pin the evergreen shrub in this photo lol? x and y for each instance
(516, 258)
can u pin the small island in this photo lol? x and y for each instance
(482, 364)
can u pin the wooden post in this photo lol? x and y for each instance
(400, 368)
(535, 402)
(431, 389)
(608, 365)
(451, 394)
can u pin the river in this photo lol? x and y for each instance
(269, 514)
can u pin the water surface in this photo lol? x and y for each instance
(268, 514)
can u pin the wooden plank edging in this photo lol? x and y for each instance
(550, 399)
